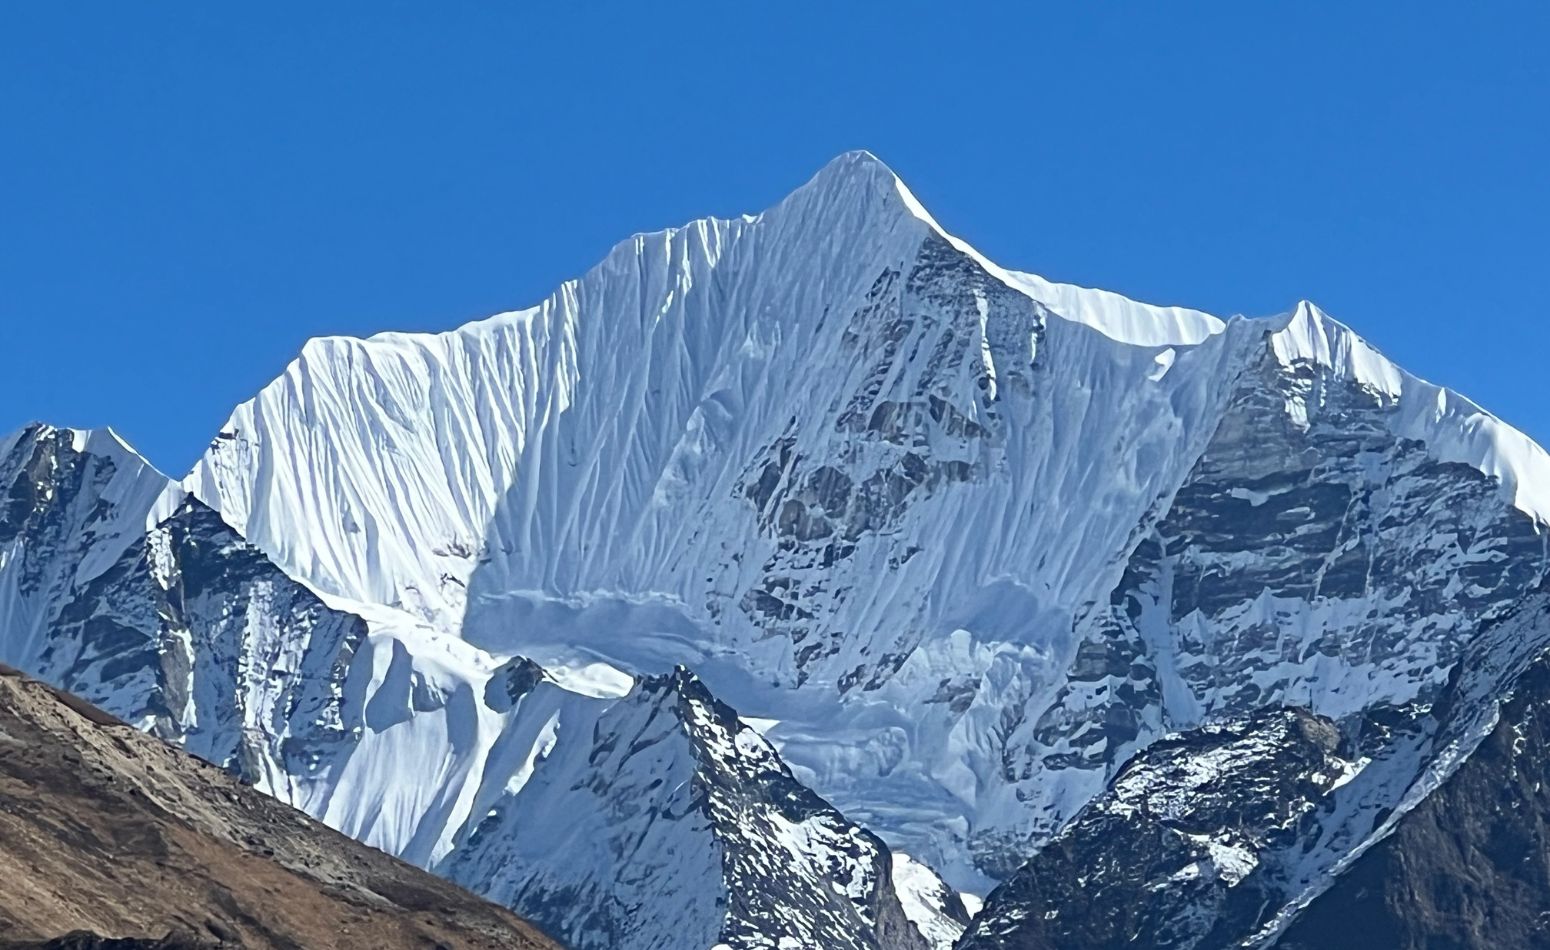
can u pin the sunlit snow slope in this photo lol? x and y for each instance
(960, 538)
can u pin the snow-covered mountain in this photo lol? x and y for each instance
(1415, 826)
(670, 760)
(1469, 866)
(1158, 859)
(644, 816)
(956, 542)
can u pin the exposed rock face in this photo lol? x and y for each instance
(1152, 861)
(669, 797)
(1469, 867)
(215, 649)
(147, 604)
(73, 502)
(1420, 827)
(112, 840)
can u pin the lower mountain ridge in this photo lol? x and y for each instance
(1468, 867)
(1281, 830)
(112, 840)
(1155, 860)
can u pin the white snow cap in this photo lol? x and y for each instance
(1454, 427)
(1113, 315)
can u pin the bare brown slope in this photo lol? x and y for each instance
(107, 830)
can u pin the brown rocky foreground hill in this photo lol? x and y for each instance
(109, 833)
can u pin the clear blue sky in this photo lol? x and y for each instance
(188, 193)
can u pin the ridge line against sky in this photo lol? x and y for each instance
(186, 196)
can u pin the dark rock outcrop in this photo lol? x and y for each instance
(1469, 867)
(1154, 860)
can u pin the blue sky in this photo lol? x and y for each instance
(188, 193)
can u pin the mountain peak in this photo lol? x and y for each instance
(104, 441)
(857, 164)
(860, 178)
